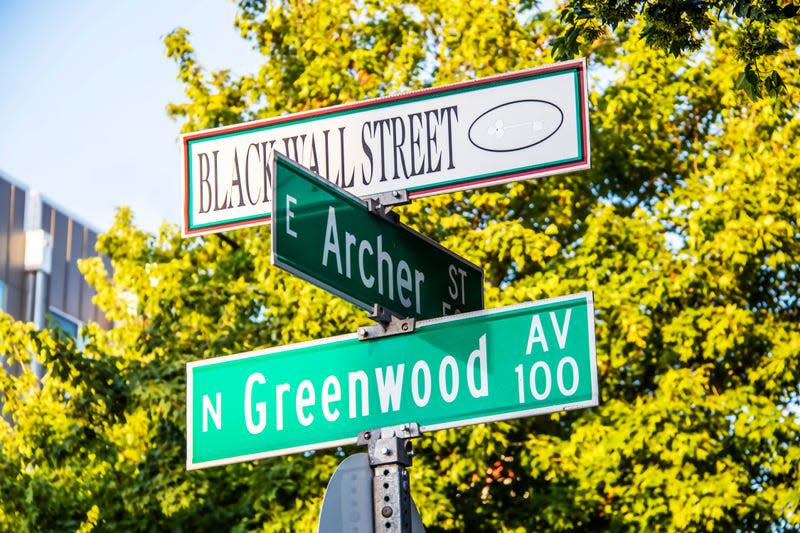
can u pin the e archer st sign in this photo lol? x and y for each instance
(483, 132)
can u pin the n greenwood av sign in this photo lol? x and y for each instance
(484, 366)
(483, 132)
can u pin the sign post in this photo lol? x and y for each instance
(330, 238)
(488, 131)
(352, 505)
(498, 364)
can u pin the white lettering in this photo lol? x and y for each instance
(561, 333)
(214, 410)
(368, 281)
(566, 361)
(390, 388)
(305, 398)
(289, 213)
(421, 399)
(560, 376)
(359, 377)
(419, 277)
(403, 282)
(478, 356)
(520, 383)
(331, 392)
(547, 380)
(448, 395)
(463, 291)
(385, 258)
(261, 407)
(280, 390)
(332, 241)
(349, 241)
(536, 334)
(452, 290)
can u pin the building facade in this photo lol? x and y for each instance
(40, 246)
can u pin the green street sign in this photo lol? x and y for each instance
(498, 364)
(329, 237)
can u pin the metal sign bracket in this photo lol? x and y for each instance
(390, 452)
(388, 324)
(382, 204)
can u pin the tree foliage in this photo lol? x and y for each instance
(687, 229)
(681, 27)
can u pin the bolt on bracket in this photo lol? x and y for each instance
(381, 204)
(387, 325)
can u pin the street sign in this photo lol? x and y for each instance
(347, 504)
(504, 128)
(328, 237)
(498, 364)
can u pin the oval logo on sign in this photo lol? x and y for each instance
(515, 125)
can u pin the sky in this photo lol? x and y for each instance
(84, 87)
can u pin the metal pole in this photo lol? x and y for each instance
(389, 452)
(389, 449)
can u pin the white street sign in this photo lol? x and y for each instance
(505, 128)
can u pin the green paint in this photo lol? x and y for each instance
(578, 120)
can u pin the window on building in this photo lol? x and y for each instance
(71, 326)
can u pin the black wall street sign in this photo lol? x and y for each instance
(483, 132)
